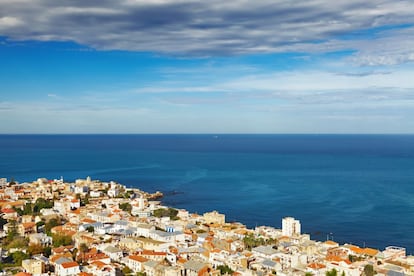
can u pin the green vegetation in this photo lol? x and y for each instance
(225, 269)
(83, 249)
(332, 272)
(59, 240)
(369, 270)
(50, 224)
(18, 257)
(308, 274)
(126, 194)
(353, 258)
(170, 212)
(18, 242)
(90, 229)
(35, 249)
(126, 207)
(27, 210)
(34, 209)
(42, 203)
(12, 232)
(126, 270)
(251, 241)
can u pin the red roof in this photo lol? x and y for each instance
(152, 253)
(8, 211)
(69, 264)
(23, 274)
(138, 258)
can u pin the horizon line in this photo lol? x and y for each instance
(207, 133)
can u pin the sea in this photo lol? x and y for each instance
(356, 189)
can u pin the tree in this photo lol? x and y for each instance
(225, 269)
(250, 241)
(332, 272)
(170, 212)
(90, 229)
(83, 248)
(18, 257)
(126, 207)
(18, 242)
(369, 270)
(126, 270)
(35, 249)
(47, 251)
(59, 240)
(50, 224)
(42, 203)
(12, 231)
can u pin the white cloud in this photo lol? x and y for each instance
(9, 22)
(207, 28)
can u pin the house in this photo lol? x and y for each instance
(150, 268)
(33, 266)
(113, 252)
(214, 217)
(196, 268)
(26, 228)
(99, 268)
(67, 269)
(136, 262)
(9, 213)
(129, 244)
(153, 255)
(40, 239)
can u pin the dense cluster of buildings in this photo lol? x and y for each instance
(109, 229)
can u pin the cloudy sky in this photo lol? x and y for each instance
(163, 66)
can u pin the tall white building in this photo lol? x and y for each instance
(290, 226)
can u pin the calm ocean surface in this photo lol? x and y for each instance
(357, 188)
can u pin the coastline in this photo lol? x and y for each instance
(108, 217)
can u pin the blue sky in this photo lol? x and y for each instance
(164, 66)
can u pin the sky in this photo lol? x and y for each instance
(163, 66)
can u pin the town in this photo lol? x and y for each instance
(91, 227)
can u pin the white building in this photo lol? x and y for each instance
(290, 227)
(67, 269)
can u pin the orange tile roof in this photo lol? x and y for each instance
(55, 257)
(88, 220)
(329, 242)
(28, 224)
(182, 261)
(98, 264)
(138, 258)
(23, 274)
(85, 274)
(356, 249)
(8, 211)
(77, 211)
(334, 258)
(316, 266)
(97, 256)
(69, 264)
(370, 251)
(153, 253)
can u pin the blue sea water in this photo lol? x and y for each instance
(352, 188)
